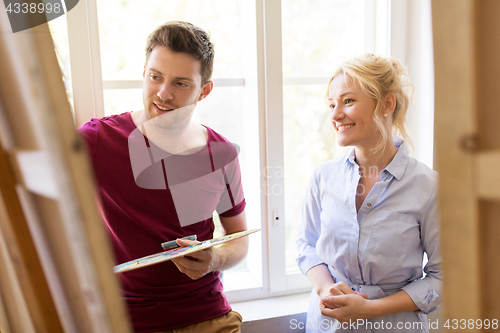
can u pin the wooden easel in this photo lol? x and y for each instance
(467, 134)
(55, 257)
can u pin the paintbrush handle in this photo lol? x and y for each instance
(173, 243)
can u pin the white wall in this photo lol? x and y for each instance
(411, 33)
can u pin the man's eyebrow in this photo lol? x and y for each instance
(184, 79)
(343, 94)
(152, 69)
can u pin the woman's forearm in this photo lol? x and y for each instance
(395, 303)
(321, 279)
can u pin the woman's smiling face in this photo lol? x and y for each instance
(352, 113)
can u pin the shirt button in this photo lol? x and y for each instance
(369, 204)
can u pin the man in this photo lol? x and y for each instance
(160, 177)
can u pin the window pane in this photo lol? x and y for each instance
(315, 41)
(124, 26)
(118, 101)
(59, 31)
(319, 34)
(225, 111)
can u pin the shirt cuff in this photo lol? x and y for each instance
(423, 295)
(305, 263)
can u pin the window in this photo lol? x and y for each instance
(59, 34)
(314, 42)
(272, 65)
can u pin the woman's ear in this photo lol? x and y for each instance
(389, 104)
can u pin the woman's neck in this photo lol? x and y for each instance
(371, 161)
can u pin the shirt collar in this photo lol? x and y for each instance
(350, 157)
(398, 164)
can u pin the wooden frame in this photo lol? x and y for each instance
(53, 243)
(467, 123)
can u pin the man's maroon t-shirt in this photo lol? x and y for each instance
(139, 210)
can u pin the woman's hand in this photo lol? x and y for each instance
(354, 306)
(336, 289)
(332, 300)
(347, 307)
(325, 286)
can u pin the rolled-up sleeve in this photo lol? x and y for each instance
(89, 132)
(426, 292)
(310, 228)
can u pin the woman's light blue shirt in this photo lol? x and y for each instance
(379, 249)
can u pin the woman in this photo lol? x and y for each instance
(369, 216)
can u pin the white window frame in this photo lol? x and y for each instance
(380, 17)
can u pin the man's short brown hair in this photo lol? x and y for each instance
(184, 37)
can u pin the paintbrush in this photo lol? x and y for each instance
(173, 243)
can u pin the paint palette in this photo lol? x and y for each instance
(178, 252)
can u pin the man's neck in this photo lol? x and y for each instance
(181, 140)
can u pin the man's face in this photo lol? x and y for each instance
(172, 87)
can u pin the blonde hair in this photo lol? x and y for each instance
(377, 77)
